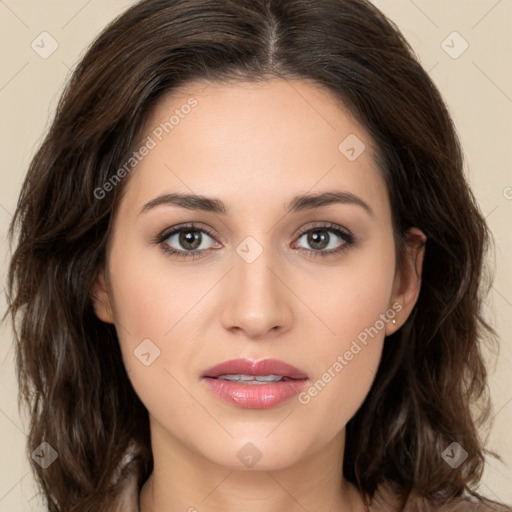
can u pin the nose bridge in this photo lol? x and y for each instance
(254, 274)
(253, 278)
(257, 301)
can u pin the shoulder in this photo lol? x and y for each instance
(471, 504)
(125, 496)
(386, 499)
(126, 484)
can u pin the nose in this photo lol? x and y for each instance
(257, 301)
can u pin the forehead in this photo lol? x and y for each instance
(266, 140)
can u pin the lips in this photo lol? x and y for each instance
(249, 393)
(262, 367)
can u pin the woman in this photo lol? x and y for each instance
(317, 346)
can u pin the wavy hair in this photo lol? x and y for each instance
(431, 387)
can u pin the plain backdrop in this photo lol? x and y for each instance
(465, 45)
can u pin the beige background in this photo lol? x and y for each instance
(477, 85)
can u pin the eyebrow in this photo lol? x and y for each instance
(297, 204)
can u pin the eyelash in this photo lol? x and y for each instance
(349, 240)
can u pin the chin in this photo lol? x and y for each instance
(257, 454)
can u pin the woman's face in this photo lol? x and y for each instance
(274, 274)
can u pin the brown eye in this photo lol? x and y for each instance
(318, 239)
(190, 239)
(186, 241)
(326, 240)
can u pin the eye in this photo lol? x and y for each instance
(185, 241)
(191, 241)
(322, 242)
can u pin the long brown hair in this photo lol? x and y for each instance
(430, 389)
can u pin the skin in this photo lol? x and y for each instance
(254, 146)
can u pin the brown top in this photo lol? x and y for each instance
(384, 499)
(128, 501)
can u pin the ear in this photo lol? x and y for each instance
(101, 299)
(407, 283)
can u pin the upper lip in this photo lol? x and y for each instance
(261, 367)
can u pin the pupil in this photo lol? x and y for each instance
(317, 238)
(189, 237)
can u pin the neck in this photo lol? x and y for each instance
(185, 481)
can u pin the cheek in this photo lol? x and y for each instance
(154, 306)
(354, 303)
(346, 367)
(351, 296)
(148, 323)
(151, 296)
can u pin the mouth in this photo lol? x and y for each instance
(263, 371)
(252, 379)
(254, 385)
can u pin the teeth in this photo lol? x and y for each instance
(253, 379)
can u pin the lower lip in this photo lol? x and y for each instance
(255, 396)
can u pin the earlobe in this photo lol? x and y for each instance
(407, 284)
(100, 298)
